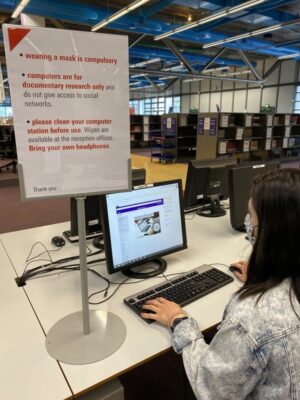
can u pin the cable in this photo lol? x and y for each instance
(189, 219)
(109, 297)
(49, 267)
(35, 258)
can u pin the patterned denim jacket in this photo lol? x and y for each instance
(254, 355)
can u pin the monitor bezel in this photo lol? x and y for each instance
(106, 235)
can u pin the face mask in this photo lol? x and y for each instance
(249, 229)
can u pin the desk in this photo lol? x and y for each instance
(27, 371)
(210, 240)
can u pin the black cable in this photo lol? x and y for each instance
(35, 258)
(50, 267)
(109, 297)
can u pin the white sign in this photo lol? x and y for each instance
(239, 133)
(206, 123)
(224, 120)
(70, 100)
(248, 120)
(269, 132)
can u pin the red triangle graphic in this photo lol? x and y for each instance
(15, 35)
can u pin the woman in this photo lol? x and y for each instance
(256, 352)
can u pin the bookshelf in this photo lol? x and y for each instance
(177, 140)
(141, 129)
(248, 136)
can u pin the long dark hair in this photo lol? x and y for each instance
(276, 252)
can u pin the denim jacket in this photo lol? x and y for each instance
(254, 355)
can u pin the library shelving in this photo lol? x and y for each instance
(248, 136)
(163, 144)
(141, 129)
(177, 140)
(187, 137)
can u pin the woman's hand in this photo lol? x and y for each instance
(240, 269)
(162, 310)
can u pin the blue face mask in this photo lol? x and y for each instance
(249, 229)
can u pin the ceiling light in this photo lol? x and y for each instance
(211, 18)
(244, 6)
(214, 69)
(192, 80)
(165, 78)
(235, 73)
(138, 75)
(119, 14)
(143, 63)
(289, 56)
(174, 68)
(20, 7)
(253, 33)
(189, 18)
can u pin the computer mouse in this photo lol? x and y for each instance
(58, 241)
(232, 268)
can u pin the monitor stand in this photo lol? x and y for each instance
(214, 210)
(147, 270)
(98, 242)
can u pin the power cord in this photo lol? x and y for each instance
(50, 266)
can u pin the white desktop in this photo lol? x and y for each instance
(210, 241)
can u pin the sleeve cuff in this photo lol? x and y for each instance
(184, 333)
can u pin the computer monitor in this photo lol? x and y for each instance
(240, 181)
(92, 211)
(207, 183)
(141, 226)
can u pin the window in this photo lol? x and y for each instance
(297, 101)
(156, 105)
(5, 112)
(135, 105)
(176, 104)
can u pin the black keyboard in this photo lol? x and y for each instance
(183, 289)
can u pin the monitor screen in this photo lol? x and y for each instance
(240, 181)
(143, 225)
(206, 178)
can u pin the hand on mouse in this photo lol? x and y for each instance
(241, 270)
(162, 310)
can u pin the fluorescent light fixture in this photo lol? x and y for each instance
(235, 73)
(143, 63)
(147, 86)
(192, 80)
(138, 75)
(134, 83)
(119, 14)
(215, 69)
(253, 33)
(165, 78)
(212, 17)
(289, 56)
(244, 6)
(20, 7)
(174, 68)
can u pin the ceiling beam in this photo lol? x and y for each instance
(181, 75)
(212, 61)
(178, 54)
(247, 62)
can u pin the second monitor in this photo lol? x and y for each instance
(206, 184)
(92, 211)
